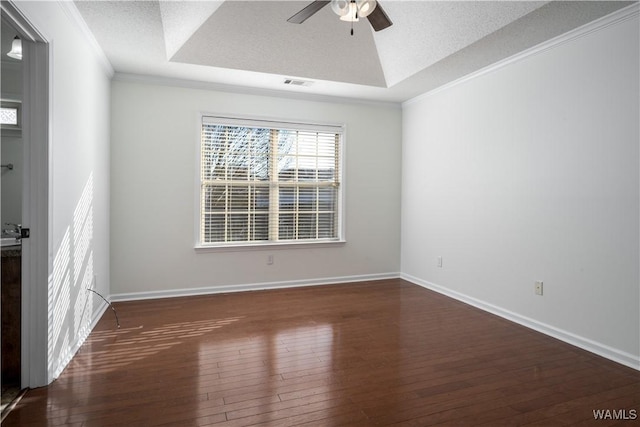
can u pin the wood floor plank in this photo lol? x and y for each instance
(361, 354)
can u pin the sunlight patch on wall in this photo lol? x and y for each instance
(59, 293)
(84, 307)
(83, 228)
(71, 306)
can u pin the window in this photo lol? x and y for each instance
(265, 182)
(9, 114)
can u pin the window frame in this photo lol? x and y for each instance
(270, 244)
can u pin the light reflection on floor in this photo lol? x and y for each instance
(9, 393)
(122, 347)
(215, 358)
(283, 354)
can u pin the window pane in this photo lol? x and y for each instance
(326, 225)
(326, 169)
(235, 213)
(259, 227)
(307, 225)
(238, 199)
(286, 226)
(261, 197)
(286, 142)
(327, 146)
(287, 198)
(214, 198)
(235, 153)
(307, 168)
(307, 199)
(327, 198)
(213, 227)
(287, 168)
(213, 149)
(238, 228)
(259, 168)
(9, 116)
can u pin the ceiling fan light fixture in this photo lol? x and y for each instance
(340, 7)
(365, 7)
(352, 13)
(353, 10)
(16, 49)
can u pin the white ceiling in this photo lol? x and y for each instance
(251, 44)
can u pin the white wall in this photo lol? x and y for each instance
(155, 133)
(531, 172)
(11, 77)
(79, 179)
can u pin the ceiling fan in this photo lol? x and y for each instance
(348, 10)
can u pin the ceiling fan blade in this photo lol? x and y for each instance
(379, 19)
(307, 12)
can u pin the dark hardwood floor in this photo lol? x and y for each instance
(363, 354)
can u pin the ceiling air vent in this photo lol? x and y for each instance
(296, 82)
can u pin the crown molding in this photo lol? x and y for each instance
(614, 18)
(73, 13)
(246, 90)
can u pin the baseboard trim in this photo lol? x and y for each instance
(600, 349)
(135, 296)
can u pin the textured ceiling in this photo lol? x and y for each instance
(263, 41)
(250, 43)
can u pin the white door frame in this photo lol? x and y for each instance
(36, 209)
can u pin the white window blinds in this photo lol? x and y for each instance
(267, 182)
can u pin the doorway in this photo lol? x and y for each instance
(11, 192)
(27, 237)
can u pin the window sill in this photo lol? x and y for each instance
(268, 246)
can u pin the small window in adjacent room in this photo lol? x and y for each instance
(10, 115)
(264, 182)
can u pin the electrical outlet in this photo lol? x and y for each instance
(440, 261)
(270, 260)
(538, 287)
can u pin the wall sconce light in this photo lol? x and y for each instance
(16, 49)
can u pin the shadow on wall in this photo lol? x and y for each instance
(71, 305)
